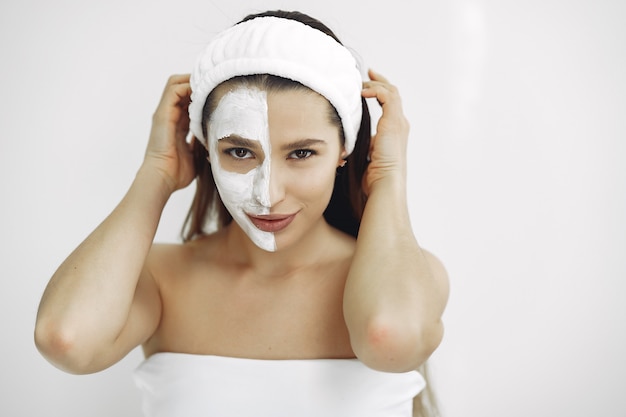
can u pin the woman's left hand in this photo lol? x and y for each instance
(389, 144)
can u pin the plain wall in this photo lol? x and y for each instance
(518, 113)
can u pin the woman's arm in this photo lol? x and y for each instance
(102, 301)
(396, 292)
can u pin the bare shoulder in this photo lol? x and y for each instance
(171, 268)
(167, 260)
(164, 259)
(342, 245)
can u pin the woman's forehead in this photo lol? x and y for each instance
(242, 113)
(251, 113)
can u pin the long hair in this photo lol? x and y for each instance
(347, 202)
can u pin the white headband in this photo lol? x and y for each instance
(288, 49)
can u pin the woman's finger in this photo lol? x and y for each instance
(387, 96)
(177, 89)
(375, 76)
(174, 102)
(178, 79)
(177, 94)
(380, 88)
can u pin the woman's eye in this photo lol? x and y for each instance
(302, 154)
(239, 153)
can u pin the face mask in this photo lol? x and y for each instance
(243, 112)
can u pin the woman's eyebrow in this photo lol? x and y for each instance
(240, 142)
(301, 144)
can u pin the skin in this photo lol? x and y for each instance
(240, 158)
(322, 294)
(278, 181)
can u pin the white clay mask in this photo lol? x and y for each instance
(243, 113)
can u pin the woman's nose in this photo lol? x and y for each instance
(261, 185)
(269, 184)
(277, 185)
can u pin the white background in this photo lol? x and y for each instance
(518, 112)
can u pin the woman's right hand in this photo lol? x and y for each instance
(168, 153)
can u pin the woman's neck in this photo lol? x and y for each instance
(319, 245)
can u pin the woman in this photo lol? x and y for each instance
(281, 311)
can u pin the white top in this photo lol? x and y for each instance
(188, 385)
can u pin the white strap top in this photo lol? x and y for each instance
(188, 385)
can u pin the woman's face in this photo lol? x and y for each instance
(274, 157)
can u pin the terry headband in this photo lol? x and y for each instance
(285, 48)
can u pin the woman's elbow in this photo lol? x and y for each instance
(390, 347)
(59, 347)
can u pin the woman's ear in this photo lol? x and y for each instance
(341, 162)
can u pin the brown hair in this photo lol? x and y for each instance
(347, 202)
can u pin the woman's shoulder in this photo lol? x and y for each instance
(342, 244)
(175, 259)
(188, 247)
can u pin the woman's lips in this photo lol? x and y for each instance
(272, 223)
